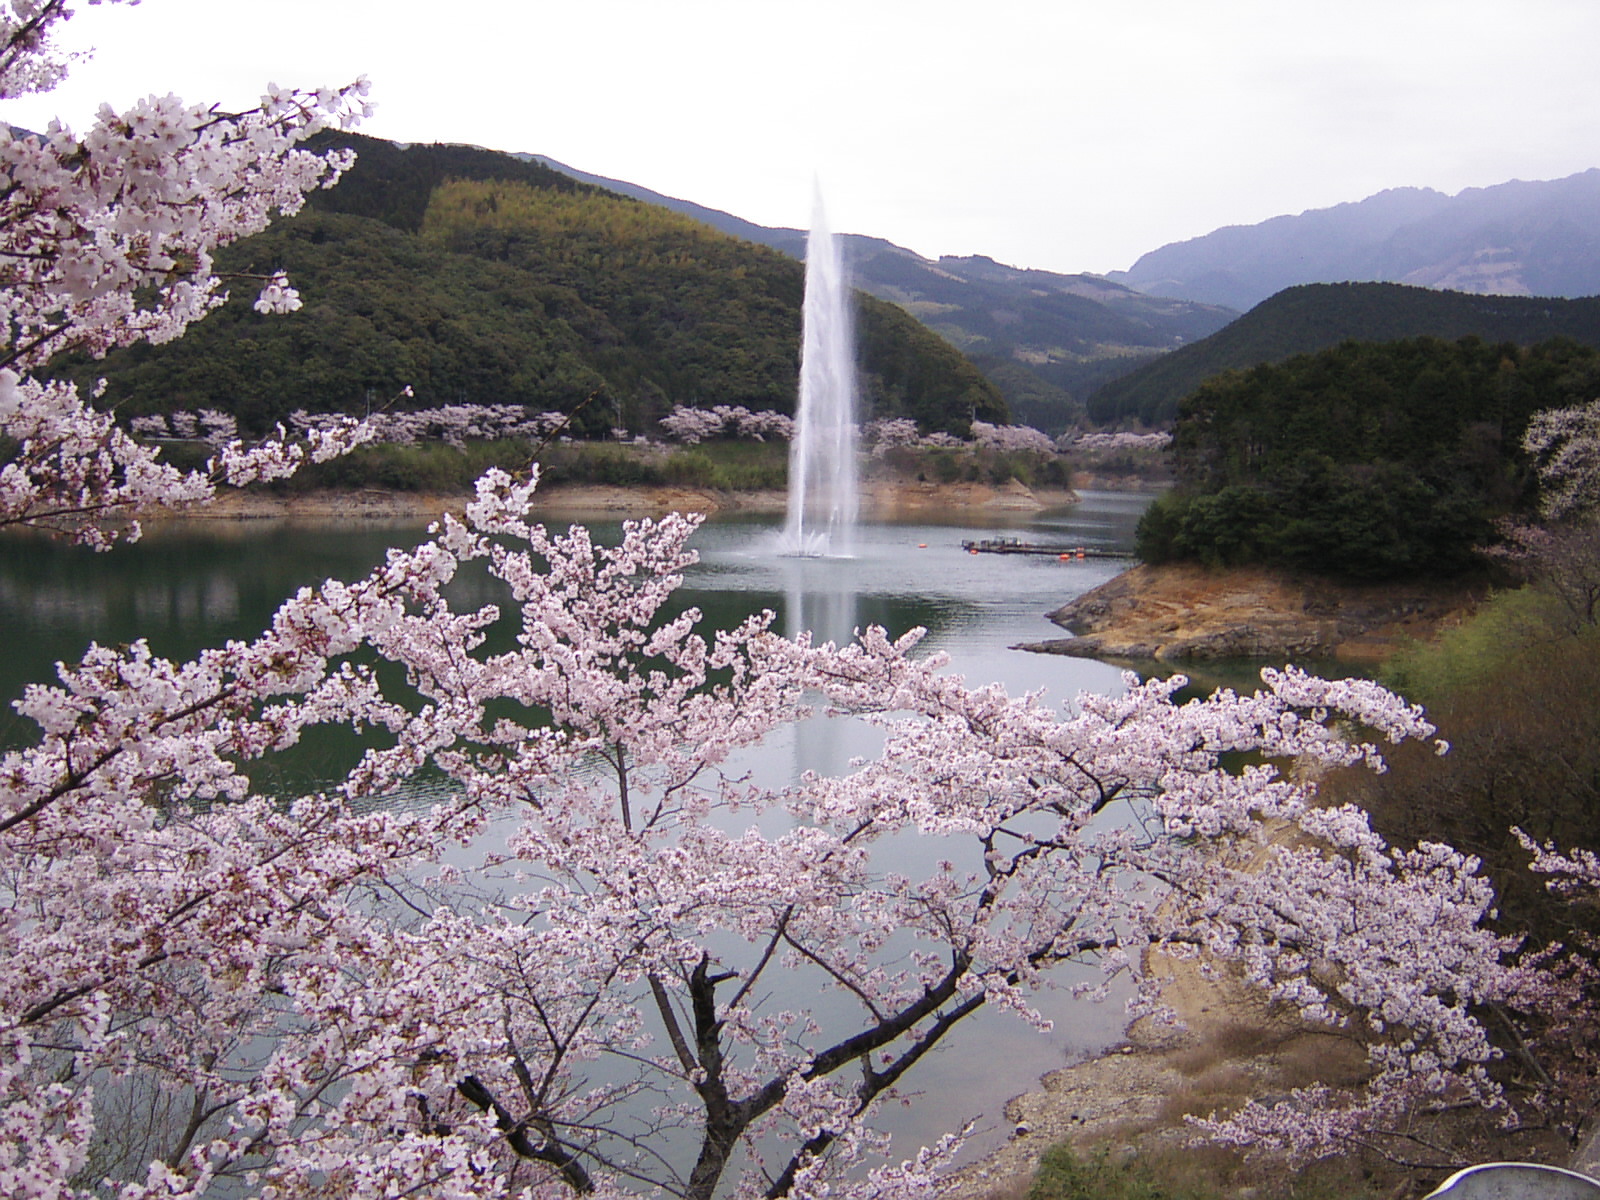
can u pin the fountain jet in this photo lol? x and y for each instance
(823, 494)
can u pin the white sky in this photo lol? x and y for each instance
(1072, 135)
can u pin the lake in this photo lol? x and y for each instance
(195, 584)
(189, 585)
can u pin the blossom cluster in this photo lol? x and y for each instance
(74, 471)
(1012, 439)
(106, 238)
(1565, 445)
(1104, 442)
(692, 426)
(207, 425)
(454, 424)
(457, 423)
(887, 433)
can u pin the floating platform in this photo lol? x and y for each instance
(1011, 545)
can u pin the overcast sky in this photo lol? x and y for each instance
(1062, 134)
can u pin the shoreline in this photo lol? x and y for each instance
(879, 499)
(1183, 612)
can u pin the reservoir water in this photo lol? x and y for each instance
(195, 584)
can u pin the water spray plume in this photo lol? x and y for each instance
(823, 494)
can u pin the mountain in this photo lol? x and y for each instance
(1316, 316)
(1063, 335)
(1513, 239)
(474, 277)
(1046, 340)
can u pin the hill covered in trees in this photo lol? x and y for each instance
(1316, 316)
(479, 278)
(1047, 340)
(1367, 461)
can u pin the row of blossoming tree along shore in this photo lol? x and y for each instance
(456, 424)
(587, 970)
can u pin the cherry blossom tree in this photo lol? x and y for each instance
(694, 425)
(1562, 553)
(453, 424)
(1012, 438)
(1565, 446)
(550, 932)
(106, 239)
(886, 433)
(1562, 983)
(601, 987)
(1103, 442)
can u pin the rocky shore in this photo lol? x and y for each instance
(1185, 612)
(1221, 1045)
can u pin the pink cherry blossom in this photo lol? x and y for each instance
(106, 239)
(1012, 438)
(548, 931)
(694, 425)
(1116, 441)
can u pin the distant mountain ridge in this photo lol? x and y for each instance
(1520, 238)
(1047, 340)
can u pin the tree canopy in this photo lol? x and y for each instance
(1319, 316)
(1369, 460)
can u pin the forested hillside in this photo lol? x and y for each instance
(1315, 316)
(478, 278)
(1047, 340)
(1368, 461)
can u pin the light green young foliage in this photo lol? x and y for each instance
(1505, 630)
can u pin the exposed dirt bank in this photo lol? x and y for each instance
(1148, 483)
(1231, 1045)
(1228, 1046)
(1186, 612)
(383, 504)
(879, 498)
(896, 497)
